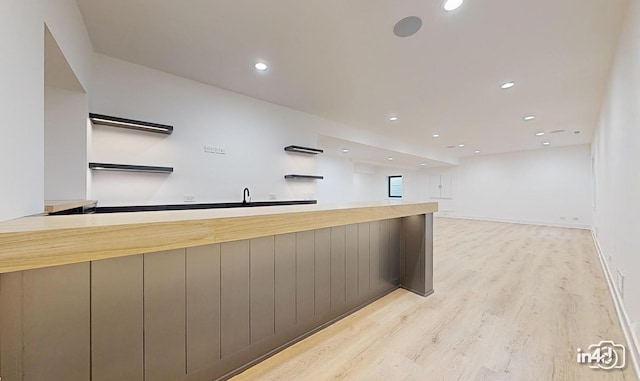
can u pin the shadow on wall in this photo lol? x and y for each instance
(131, 188)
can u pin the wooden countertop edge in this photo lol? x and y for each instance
(24, 250)
(54, 206)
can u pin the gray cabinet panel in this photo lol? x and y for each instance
(117, 319)
(374, 256)
(234, 259)
(385, 257)
(412, 261)
(11, 366)
(322, 272)
(203, 307)
(395, 235)
(56, 323)
(428, 253)
(363, 261)
(285, 282)
(305, 280)
(338, 266)
(262, 288)
(352, 264)
(164, 315)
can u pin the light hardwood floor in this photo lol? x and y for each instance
(511, 302)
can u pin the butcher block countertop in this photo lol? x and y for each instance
(54, 206)
(43, 241)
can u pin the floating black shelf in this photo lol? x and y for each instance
(303, 177)
(131, 124)
(129, 168)
(300, 149)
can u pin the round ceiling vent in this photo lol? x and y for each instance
(408, 26)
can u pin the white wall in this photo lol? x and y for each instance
(616, 151)
(253, 133)
(22, 25)
(65, 144)
(359, 182)
(337, 185)
(446, 206)
(548, 186)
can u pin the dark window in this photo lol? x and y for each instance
(395, 186)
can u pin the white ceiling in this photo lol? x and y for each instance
(340, 60)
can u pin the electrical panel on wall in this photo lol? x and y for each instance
(440, 186)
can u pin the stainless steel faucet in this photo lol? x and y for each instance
(245, 194)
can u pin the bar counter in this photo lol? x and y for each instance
(42, 241)
(195, 295)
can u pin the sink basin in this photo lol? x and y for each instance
(217, 205)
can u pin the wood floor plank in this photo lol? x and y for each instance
(512, 302)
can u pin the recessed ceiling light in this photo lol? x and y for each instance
(390, 158)
(450, 5)
(423, 164)
(556, 131)
(507, 85)
(529, 117)
(451, 146)
(261, 66)
(539, 133)
(436, 135)
(460, 145)
(545, 143)
(345, 150)
(576, 132)
(476, 152)
(393, 118)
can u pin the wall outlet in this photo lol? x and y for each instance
(575, 218)
(189, 198)
(273, 196)
(214, 149)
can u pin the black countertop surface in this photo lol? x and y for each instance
(217, 205)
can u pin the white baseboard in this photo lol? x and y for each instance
(632, 341)
(524, 222)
